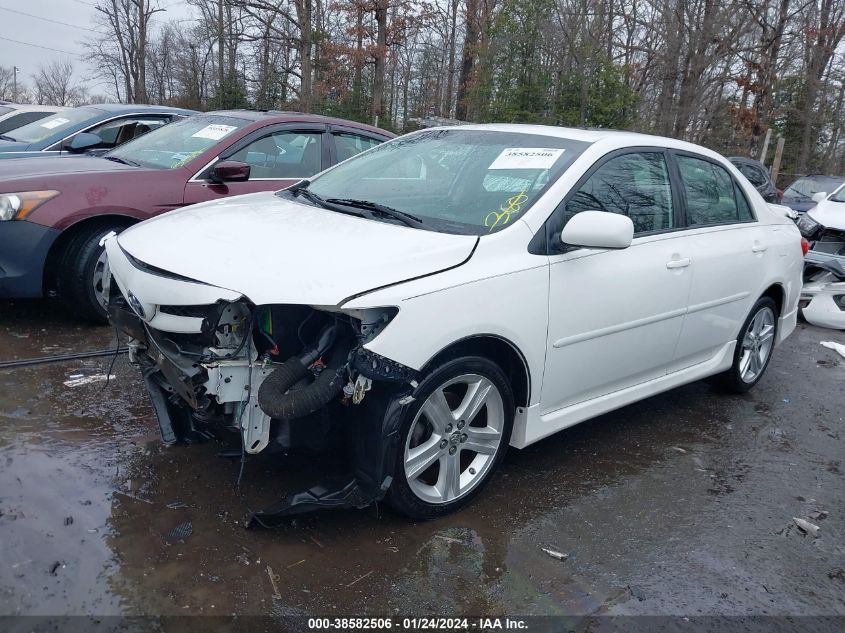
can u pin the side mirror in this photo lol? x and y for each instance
(819, 196)
(230, 171)
(83, 141)
(598, 229)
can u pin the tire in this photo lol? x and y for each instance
(747, 369)
(79, 287)
(447, 441)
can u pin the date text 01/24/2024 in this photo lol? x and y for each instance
(417, 624)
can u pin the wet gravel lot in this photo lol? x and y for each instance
(682, 504)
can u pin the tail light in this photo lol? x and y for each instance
(780, 195)
(805, 245)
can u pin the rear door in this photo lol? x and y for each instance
(278, 156)
(728, 247)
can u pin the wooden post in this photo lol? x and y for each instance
(776, 161)
(765, 148)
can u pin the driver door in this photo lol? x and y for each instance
(615, 316)
(278, 156)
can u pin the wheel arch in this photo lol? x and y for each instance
(54, 255)
(777, 293)
(498, 349)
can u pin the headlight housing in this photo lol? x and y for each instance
(16, 206)
(807, 225)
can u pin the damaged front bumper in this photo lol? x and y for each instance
(822, 300)
(279, 376)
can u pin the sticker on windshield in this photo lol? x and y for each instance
(214, 131)
(54, 123)
(526, 158)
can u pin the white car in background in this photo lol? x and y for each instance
(450, 293)
(15, 115)
(823, 296)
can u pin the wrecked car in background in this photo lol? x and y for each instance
(823, 295)
(802, 195)
(450, 293)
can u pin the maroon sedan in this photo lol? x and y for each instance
(54, 212)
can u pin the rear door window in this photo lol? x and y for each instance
(754, 174)
(712, 196)
(348, 145)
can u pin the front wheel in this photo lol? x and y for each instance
(80, 276)
(453, 438)
(754, 347)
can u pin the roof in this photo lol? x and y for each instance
(608, 138)
(284, 116)
(137, 107)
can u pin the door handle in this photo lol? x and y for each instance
(678, 263)
(758, 247)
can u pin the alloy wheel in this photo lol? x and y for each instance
(454, 439)
(757, 345)
(98, 279)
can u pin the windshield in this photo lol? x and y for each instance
(174, 145)
(806, 187)
(53, 125)
(454, 180)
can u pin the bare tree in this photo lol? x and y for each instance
(121, 55)
(54, 84)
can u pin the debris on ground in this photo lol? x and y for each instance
(76, 380)
(68, 520)
(180, 533)
(819, 515)
(679, 449)
(55, 567)
(448, 539)
(359, 579)
(316, 542)
(839, 348)
(837, 573)
(806, 526)
(175, 505)
(299, 562)
(555, 554)
(274, 579)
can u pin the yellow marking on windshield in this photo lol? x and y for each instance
(512, 206)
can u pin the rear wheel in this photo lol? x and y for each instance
(453, 438)
(754, 347)
(80, 276)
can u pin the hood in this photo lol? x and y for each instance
(798, 204)
(12, 146)
(829, 214)
(54, 166)
(274, 250)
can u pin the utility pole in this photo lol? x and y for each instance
(15, 71)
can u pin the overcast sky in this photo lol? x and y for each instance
(71, 20)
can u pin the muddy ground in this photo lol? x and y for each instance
(681, 504)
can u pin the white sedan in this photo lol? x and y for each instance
(450, 293)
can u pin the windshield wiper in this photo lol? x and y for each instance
(402, 216)
(123, 161)
(3, 137)
(301, 188)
